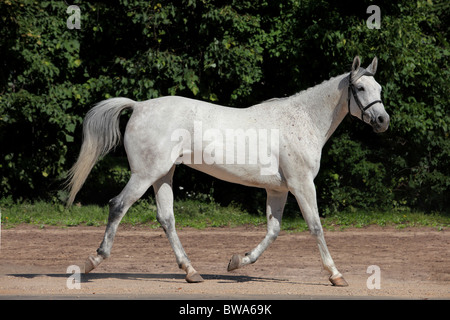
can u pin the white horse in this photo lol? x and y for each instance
(169, 130)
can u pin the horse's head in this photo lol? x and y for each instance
(364, 96)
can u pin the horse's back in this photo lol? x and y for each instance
(174, 112)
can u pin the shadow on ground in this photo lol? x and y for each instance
(86, 278)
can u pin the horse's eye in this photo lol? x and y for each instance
(361, 89)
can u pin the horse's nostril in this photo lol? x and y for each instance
(380, 119)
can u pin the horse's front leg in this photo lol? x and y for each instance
(305, 193)
(274, 211)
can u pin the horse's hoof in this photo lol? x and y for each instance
(194, 278)
(235, 262)
(92, 262)
(338, 281)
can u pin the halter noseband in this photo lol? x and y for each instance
(351, 87)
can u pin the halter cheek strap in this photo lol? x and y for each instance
(352, 89)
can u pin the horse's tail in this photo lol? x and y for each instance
(101, 133)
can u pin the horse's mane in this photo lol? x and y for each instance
(307, 90)
(354, 76)
(303, 92)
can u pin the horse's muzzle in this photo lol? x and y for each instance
(380, 123)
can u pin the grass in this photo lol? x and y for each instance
(198, 214)
(188, 213)
(397, 219)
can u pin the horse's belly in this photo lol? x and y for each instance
(248, 175)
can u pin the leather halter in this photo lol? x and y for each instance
(352, 88)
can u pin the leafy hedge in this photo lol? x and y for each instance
(233, 53)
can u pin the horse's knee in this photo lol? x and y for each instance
(116, 206)
(316, 229)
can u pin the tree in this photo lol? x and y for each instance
(234, 53)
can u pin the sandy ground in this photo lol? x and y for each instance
(414, 263)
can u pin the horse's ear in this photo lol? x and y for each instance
(373, 66)
(356, 64)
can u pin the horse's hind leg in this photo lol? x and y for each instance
(118, 207)
(165, 216)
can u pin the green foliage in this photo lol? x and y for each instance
(234, 53)
(37, 94)
(410, 163)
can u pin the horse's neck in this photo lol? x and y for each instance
(325, 105)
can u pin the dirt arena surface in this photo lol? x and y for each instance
(414, 264)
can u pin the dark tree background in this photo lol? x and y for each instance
(234, 53)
